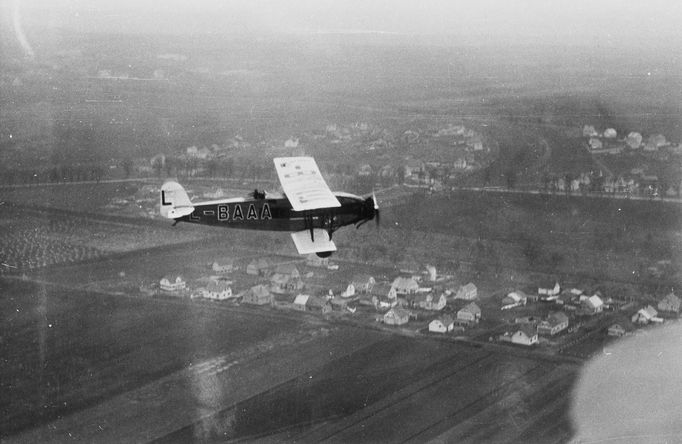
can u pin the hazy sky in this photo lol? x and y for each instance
(577, 21)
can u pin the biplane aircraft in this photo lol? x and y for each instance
(307, 208)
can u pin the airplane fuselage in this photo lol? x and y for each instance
(276, 214)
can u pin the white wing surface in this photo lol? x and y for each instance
(303, 184)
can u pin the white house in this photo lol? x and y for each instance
(442, 324)
(524, 335)
(471, 313)
(217, 290)
(549, 292)
(396, 316)
(224, 267)
(646, 315)
(592, 304)
(170, 283)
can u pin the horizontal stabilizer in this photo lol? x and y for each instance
(305, 245)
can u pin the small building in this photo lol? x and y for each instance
(301, 301)
(363, 283)
(384, 290)
(172, 283)
(617, 330)
(524, 335)
(646, 315)
(349, 292)
(405, 285)
(217, 290)
(442, 324)
(430, 301)
(317, 304)
(514, 299)
(471, 313)
(223, 267)
(258, 267)
(554, 324)
(467, 292)
(670, 304)
(257, 295)
(396, 316)
(592, 305)
(288, 269)
(284, 283)
(549, 291)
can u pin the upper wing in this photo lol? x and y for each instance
(303, 184)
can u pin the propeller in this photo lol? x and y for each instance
(369, 211)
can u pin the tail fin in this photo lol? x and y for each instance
(175, 202)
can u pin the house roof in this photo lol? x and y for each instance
(259, 290)
(516, 296)
(217, 286)
(594, 301)
(315, 301)
(405, 283)
(558, 317)
(468, 287)
(288, 268)
(381, 289)
(445, 319)
(301, 299)
(527, 330)
(672, 300)
(398, 312)
(471, 308)
(648, 312)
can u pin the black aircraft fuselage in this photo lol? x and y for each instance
(278, 215)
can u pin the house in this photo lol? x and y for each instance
(617, 330)
(646, 315)
(396, 316)
(386, 290)
(288, 269)
(430, 301)
(514, 299)
(257, 295)
(349, 291)
(224, 267)
(300, 302)
(258, 267)
(470, 313)
(284, 283)
(405, 285)
(218, 290)
(468, 292)
(670, 304)
(363, 283)
(317, 304)
(592, 305)
(554, 324)
(524, 335)
(442, 324)
(548, 291)
(172, 283)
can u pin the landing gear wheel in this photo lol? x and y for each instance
(324, 254)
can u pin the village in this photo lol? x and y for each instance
(548, 317)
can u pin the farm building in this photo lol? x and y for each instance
(554, 324)
(405, 285)
(217, 290)
(670, 304)
(172, 283)
(442, 324)
(396, 316)
(301, 301)
(646, 315)
(257, 295)
(468, 292)
(470, 313)
(363, 283)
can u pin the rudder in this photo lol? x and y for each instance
(174, 201)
